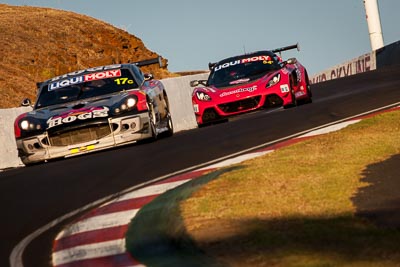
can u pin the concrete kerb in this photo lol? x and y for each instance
(157, 236)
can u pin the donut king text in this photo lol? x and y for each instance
(240, 90)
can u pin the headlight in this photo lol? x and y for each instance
(24, 125)
(128, 104)
(203, 96)
(274, 80)
(131, 102)
(29, 126)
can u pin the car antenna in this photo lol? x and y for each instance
(244, 49)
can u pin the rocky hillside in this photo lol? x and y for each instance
(39, 43)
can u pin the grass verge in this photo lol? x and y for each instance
(297, 206)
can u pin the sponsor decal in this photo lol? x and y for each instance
(285, 88)
(81, 114)
(81, 149)
(240, 90)
(299, 93)
(266, 59)
(298, 75)
(102, 75)
(95, 69)
(240, 81)
(85, 78)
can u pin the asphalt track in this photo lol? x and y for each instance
(32, 197)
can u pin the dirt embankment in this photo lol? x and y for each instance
(39, 43)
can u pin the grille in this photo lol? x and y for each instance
(80, 135)
(241, 105)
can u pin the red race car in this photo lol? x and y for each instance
(248, 82)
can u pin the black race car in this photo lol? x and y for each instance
(90, 110)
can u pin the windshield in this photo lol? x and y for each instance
(85, 86)
(242, 70)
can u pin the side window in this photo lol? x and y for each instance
(138, 74)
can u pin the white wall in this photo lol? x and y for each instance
(8, 148)
(180, 99)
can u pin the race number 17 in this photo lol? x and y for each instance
(122, 81)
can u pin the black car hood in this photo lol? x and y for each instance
(76, 113)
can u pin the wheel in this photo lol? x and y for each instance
(152, 121)
(308, 90)
(308, 99)
(170, 126)
(292, 94)
(309, 94)
(167, 119)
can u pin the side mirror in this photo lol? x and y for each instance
(26, 102)
(194, 83)
(148, 76)
(198, 82)
(291, 61)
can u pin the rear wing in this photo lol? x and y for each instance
(278, 50)
(149, 62)
(211, 65)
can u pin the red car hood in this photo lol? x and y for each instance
(240, 88)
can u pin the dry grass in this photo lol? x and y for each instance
(39, 43)
(294, 207)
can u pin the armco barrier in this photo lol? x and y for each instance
(179, 95)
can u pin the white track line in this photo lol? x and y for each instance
(236, 160)
(329, 129)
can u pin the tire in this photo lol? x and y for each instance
(152, 121)
(168, 118)
(294, 100)
(308, 90)
(309, 94)
(170, 126)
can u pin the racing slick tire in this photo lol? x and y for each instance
(293, 96)
(309, 94)
(170, 126)
(152, 121)
(168, 118)
(308, 100)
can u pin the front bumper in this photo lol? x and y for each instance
(122, 130)
(210, 111)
